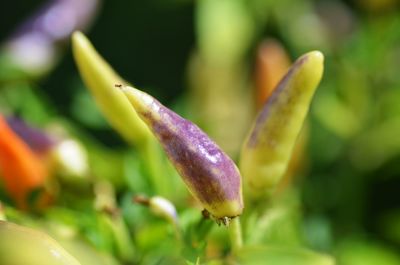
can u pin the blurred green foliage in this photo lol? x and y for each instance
(343, 202)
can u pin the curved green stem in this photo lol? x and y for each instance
(235, 233)
(2, 214)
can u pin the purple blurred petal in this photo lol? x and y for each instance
(37, 140)
(34, 45)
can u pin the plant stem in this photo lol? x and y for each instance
(202, 229)
(2, 214)
(235, 233)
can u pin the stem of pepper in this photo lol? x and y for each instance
(235, 233)
(2, 214)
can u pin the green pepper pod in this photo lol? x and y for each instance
(24, 246)
(268, 147)
(100, 78)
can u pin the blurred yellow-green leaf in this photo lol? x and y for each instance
(254, 255)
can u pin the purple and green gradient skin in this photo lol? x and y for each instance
(208, 172)
(268, 147)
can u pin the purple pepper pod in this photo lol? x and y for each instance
(210, 175)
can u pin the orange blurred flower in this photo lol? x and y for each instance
(21, 170)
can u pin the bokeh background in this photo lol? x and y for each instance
(202, 58)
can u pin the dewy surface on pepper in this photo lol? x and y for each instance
(209, 173)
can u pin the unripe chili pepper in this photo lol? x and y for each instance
(210, 175)
(271, 65)
(100, 78)
(268, 147)
(24, 246)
